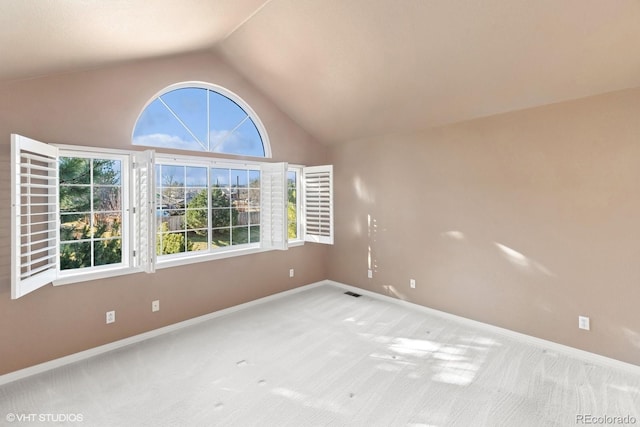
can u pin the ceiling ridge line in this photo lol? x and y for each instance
(247, 19)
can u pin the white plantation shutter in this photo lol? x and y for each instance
(317, 185)
(273, 206)
(34, 215)
(144, 211)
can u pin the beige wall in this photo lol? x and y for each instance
(557, 187)
(99, 108)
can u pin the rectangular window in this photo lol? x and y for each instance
(182, 214)
(206, 207)
(71, 214)
(93, 224)
(235, 199)
(82, 213)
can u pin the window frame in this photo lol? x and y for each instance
(262, 131)
(183, 258)
(22, 285)
(139, 210)
(170, 260)
(126, 266)
(125, 208)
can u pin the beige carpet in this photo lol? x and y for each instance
(318, 358)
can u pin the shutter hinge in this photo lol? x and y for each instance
(134, 254)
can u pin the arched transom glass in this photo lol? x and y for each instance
(201, 117)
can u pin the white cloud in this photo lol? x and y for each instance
(223, 141)
(166, 141)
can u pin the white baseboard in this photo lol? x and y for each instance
(76, 357)
(72, 358)
(583, 355)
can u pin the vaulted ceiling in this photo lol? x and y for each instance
(350, 69)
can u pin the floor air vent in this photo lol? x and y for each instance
(352, 294)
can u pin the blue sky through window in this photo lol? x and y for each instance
(198, 119)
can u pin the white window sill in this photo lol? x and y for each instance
(194, 257)
(76, 277)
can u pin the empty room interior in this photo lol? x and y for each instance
(320, 212)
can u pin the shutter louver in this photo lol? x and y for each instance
(273, 209)
(144, 211)
(317, 182)
(34, 215)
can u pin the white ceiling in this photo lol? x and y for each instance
(39, 37)
(349, 69)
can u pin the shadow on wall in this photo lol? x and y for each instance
(632, 336)
(372, 261)
(362, 192)
(523, 262)
(372, 234)
(365, 196)
(515, 259)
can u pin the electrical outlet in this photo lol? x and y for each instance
(412, 283)
(291, 272)
(370, 274)
(111, 316)
(583, 323)
(155, 305)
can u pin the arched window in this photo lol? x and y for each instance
(200, 116)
